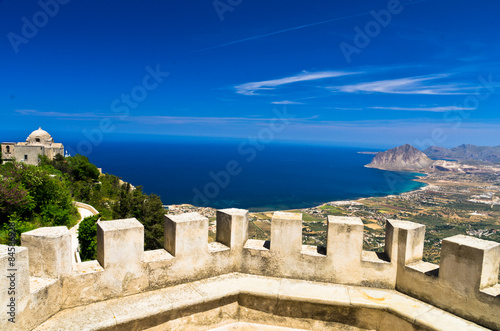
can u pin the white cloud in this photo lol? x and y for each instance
(408, 85)
(287, 102)
(430, 109)
(252, 87)
(32, 112)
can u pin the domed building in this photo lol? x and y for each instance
(39, 142)
(40, 137)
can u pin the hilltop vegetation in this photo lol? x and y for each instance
(87, 237)
(113, 198)
(32, 197)
(38, 196)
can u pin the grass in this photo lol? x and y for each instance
(332, 210)
(305, 217)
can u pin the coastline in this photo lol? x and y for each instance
(420, 180)
(357, 200)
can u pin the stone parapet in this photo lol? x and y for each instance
(465, 284)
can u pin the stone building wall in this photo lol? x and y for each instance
(28, 154)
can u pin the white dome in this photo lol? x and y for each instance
(40, 137)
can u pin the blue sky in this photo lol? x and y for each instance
(363, 73)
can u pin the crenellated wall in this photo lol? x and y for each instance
(46, 280)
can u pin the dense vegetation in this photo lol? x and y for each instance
(35, 196)
(87, 237)
(32, 197)
(113, 198)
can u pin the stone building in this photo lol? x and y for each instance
(39, 142)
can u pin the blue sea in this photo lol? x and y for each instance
(222, 174)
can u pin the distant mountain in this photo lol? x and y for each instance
(401, 158)
(465, 152)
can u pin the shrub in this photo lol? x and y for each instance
(87, 237)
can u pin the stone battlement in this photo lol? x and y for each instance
(465, 284)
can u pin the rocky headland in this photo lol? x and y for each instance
(402, 158)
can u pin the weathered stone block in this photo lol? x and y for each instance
(469, 264)
(49, 251)
(120, 244)
(232, 227)
(286, 233)
(14, 277)
(345, 239)
(410, 241)
(186, 234)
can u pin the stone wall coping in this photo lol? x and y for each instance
(234, 211)
(157, 255)
(86, 206)
(40, 283)
(48, 232)
(149, 307)
(472, 242)
(128, 223)
(424, 267)
(187, 217)
(256, 244)
(493, 291)
(345, 220)
(217, 247)
(407, 225)
(4, 250)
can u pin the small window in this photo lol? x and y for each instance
(7, 149)
(26, 157)
(37, 140)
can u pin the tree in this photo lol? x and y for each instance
(152, 219)
(14, 199)
(81, 169)
(87, 237)
(39, 195)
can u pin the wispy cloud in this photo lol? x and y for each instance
(287, 102)
(205, 120)
(442, 109)
(408, 85)
(252, 87)
(344, 108)
(155, 119)
(32, 112)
